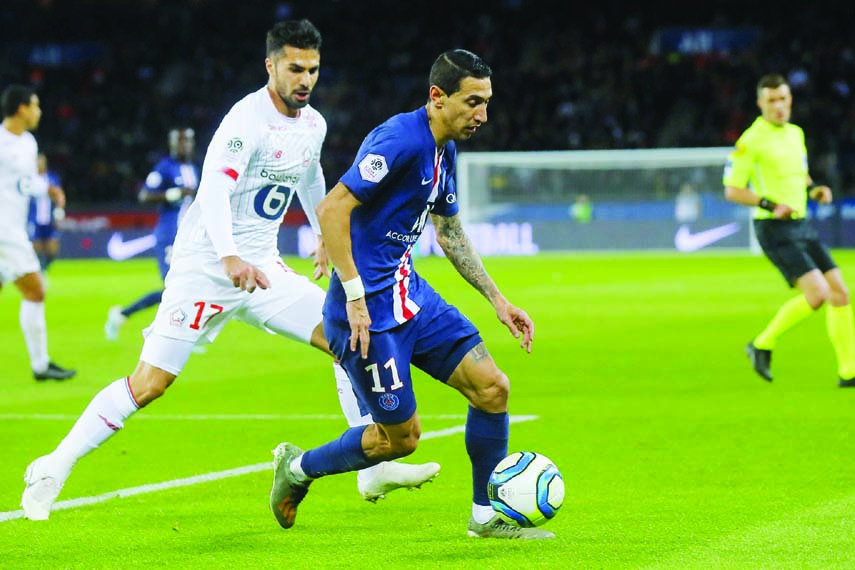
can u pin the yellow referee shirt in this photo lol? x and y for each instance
(772, 161)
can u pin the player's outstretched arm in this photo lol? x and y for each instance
(334, 218)
(57, 195)
(820, 193)
(320, 260)
(244, 276)
(748, 197)
(462, 255)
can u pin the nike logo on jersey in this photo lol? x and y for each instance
(119, 249)
(426, 181)
(685, 240)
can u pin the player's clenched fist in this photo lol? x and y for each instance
(244, 276)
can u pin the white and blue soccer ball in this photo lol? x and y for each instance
(526, 489)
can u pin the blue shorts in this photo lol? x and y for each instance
(435, 341)
(163, 253)
(42, 232)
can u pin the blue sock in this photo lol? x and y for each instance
(145, 302)
(486, 443)
(338, 456)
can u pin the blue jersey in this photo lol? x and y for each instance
(400, 177)
(40, 220)
(170, 173)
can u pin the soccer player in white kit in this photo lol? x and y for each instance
(226, 264)
(18, 261)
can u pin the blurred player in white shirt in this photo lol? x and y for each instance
(226, 263)
(18, 261)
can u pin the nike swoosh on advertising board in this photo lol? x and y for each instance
(685, 240)
(119, 249)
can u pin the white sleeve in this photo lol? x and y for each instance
(228, 155)
(213, 199)
(311, 193)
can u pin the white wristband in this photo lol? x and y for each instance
(353, 288)
(174, 194)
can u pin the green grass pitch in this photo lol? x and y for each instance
(675, 455)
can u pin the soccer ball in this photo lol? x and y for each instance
(526, 489)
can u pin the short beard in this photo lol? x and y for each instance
(293, 103)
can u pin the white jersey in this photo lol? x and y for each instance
(18, 174)
(262, 158)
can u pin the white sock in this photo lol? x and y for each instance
(482, 513)
(296, 467)
(32, 317)
(347, 399)
(352, 413)
(104, 416)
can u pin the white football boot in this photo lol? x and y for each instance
(115, 320)
(43, 487)
(497, 528)
(375, 482)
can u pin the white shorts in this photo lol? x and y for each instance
(17, 258)
(199, 299)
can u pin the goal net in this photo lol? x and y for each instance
(658, 199)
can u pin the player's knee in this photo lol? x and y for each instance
(149, 384)
(817, 297)
(390, 444)
(34, 295)
(492, 393)
(404, 445)
(839, 296)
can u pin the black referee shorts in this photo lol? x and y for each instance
(793, 246)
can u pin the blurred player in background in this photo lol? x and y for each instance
(18, 261)
(47, 208)
(226, 264)
(381, 317)
(768, 170)
(171, 185)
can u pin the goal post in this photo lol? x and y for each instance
(610, 200)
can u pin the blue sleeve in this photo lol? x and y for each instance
(446, 204)
(158, 179)
(384, 155)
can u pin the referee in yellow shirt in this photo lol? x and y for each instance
(768, 170)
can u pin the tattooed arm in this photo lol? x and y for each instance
(462, 255)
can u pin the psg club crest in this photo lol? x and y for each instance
(388, 402)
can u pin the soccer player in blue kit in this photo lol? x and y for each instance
(380, 316)
(46, 209)
(171, 185)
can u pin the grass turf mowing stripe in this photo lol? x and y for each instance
(206, 477)
(209, 417)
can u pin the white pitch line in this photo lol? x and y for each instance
(206, 477)
(209, 417)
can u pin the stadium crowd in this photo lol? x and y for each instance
(114, 75)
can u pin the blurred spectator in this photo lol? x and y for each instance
(592, 81)
(687, 206)
(582, 211)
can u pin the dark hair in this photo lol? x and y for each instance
(451, 67)
(13, 97)
(771, 81)
(300, 34)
